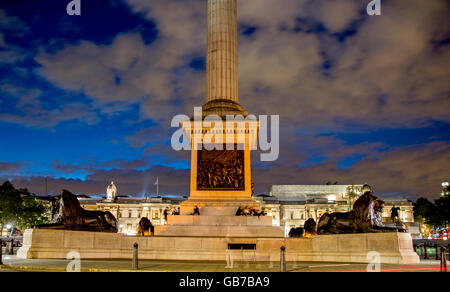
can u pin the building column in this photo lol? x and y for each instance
(222, 51)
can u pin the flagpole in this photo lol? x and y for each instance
(157, 186)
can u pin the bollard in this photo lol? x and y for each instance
(448, 252)
(134, 262)
(10, 247)
(1, 250)
(11, 252)
(438, 254)
(283, 259)
(443, 260)
(425, 253)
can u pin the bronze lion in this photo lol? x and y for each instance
(145, 227)
(71, 216)
(365, 217)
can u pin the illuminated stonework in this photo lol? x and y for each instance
(290, 206)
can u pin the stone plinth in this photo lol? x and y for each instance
(218, 211)
(393, 248)
(240, 135)
(233, 202)
(220, 220)
(223, 231)
(219, 226)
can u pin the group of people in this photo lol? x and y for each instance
(176, 211)
(249, 212)
(173, 211)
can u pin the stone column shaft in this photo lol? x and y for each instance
(222, 54)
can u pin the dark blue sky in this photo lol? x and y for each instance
(88, 99)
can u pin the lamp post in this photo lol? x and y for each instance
(8, 229)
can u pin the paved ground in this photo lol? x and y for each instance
(11, 263)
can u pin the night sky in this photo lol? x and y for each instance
(88, 99)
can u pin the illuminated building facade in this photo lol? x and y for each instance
(289, 205)
(129, 210)
(292, 205)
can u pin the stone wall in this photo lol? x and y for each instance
(394, 248)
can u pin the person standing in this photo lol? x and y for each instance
(239, 211)
(165, 213)
(394, 214)
(196, 211)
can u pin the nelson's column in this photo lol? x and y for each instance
(221, 178)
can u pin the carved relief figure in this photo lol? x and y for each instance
(220, 170)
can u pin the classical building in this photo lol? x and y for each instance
(129, 210)
(291, 205)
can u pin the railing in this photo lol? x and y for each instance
(431, 248)
(16, 239)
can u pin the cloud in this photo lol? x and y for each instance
(335, 15)
(90, 166)
(12, 24)
(323, 66)
(10, 167)
(386, 73)
(129, 182)
(412, 171)
(29, 109)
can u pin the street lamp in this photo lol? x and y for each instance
(8, 229)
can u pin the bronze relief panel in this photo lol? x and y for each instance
(220, 170)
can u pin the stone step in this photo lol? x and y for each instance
(216, 211)
(222, 231)
(203, 220)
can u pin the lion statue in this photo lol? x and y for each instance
(365, 217)
(145, 227)
(310, 228)
(71, 216)
(296, 232)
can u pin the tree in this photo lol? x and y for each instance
(443, 209)
(20, 208)
(433, 214)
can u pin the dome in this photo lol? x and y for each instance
(366, 188)
(111, 192)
